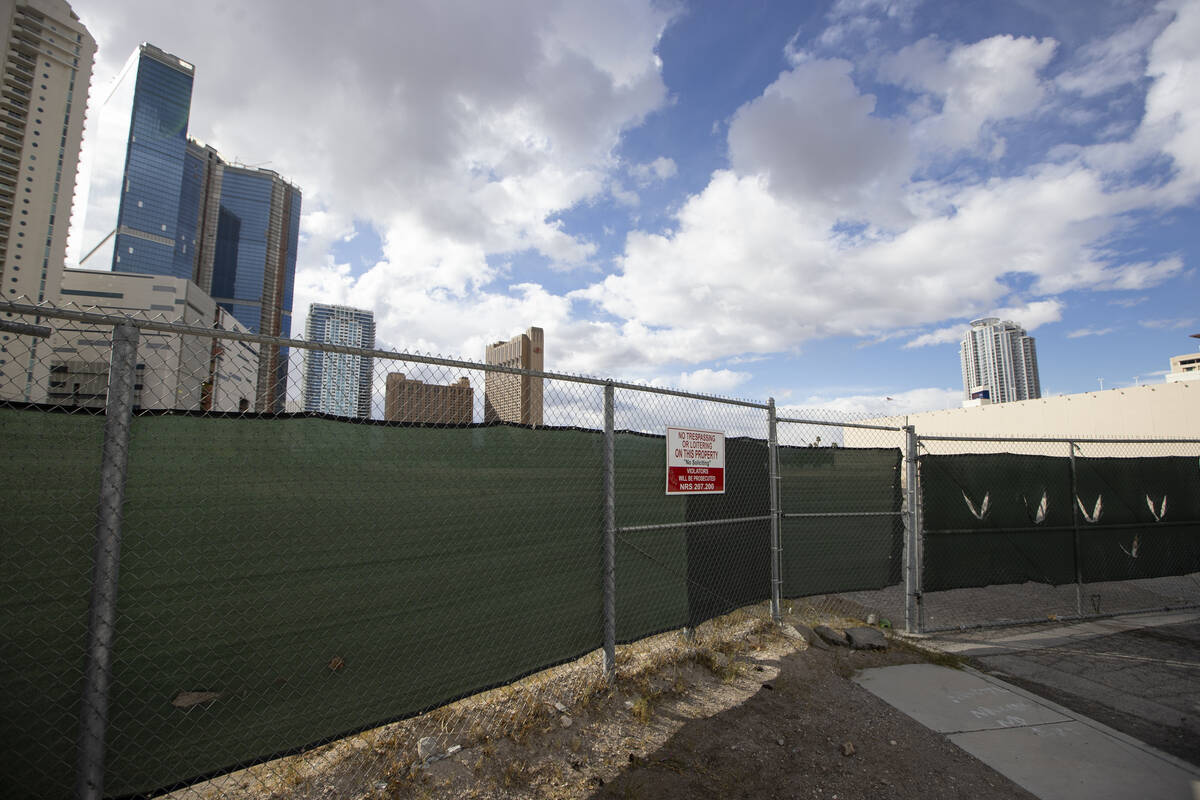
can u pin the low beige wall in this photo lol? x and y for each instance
(1158, 411)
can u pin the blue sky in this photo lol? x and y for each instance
(801, 200)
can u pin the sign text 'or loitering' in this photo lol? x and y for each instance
(695, 461)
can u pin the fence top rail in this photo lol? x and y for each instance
(1052, 440)
(802, 421)
(96, 318)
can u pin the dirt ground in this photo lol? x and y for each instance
(736, 709)
(769, 718)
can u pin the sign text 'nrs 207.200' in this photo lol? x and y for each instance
(695, 461)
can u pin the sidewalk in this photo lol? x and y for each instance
(1054, 753)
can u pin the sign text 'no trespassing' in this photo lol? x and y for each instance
(695, 461)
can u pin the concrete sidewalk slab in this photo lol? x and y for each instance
(1073, 760)
(1051, 751)
(953, 701)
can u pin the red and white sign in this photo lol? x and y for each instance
(695, 461)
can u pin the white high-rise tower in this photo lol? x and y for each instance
(44, 75)
(999, 362)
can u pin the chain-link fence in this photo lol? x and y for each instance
(1027, 530)
(233, 555)
(241, 566)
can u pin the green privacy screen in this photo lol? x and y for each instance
(668, 577)
(1007, 545)
(320, 576)
(1149, 522)
(729, 563)
(1018, 538)
(652, 565)
(47, 518)
(840, 553)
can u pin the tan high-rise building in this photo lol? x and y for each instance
(515, 398)
(44, 77)
(408, 400)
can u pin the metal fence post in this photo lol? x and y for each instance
(1075, 532)
(912, 538)
(610, 535)
(776, 549)
(106, 560)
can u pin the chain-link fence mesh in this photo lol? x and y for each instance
(286, 579)
(282, 563)
(843, 516)
(1021, 531)
(684, 560)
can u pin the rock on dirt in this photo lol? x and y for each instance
(866, 639)
(833, 637)
(809, 635)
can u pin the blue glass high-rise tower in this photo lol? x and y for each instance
(137, 218)
(254, 264)
(162, 204)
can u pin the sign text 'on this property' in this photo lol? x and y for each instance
(695, 461)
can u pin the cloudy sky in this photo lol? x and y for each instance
(764, 198)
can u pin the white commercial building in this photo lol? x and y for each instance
(1184, 368)
(174, 371)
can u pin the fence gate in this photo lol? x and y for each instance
(843, 515)
(1028, 530)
